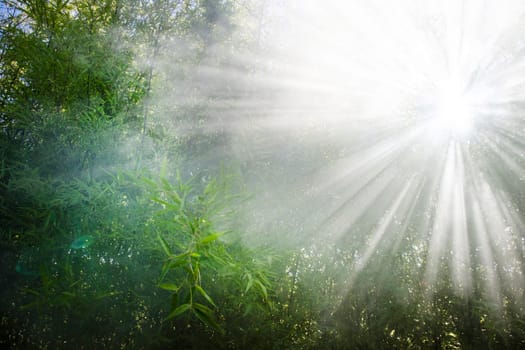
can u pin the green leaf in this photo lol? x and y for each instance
(164, 168)
(248, 310)
(182, 257)
(205, 314)
(193, 229)
(163, 202)
(166, 184)
(249, 284)
(203, 308)
(50, 219)
(165, 270)
(105, 295)
(176, 198)
(210, 238)
(164, 245)
(179, 310)
(204, 294)
(262, 288)
(149, 182)
(176, 262)
(29, 306)
(169, 286)
(174, 300)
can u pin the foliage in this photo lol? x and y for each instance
(88, 149)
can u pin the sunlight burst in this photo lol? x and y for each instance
(416, 106)
(455, 114)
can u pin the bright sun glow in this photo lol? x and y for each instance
(417, 105)
(454, 112)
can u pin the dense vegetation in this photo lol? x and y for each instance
(115, 235)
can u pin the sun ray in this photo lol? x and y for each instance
(407, 112)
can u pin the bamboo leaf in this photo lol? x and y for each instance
(179, 310)
(205, 314)
(248, 310)
(163, 202)
(164, 245)
(105, 295)
(176, 263)
(165, 270)
(50, 219)
(203, 308)
(249, 284)
(192, 227)
(169, 286)
(31, 291)
(262, 288)
(182, 256)
(174, 300)
(149, 182)
(173, 262)
(29, 306)
(175, 197)
(164, 168)
(205, 295)
(210, 238)
(183, 201)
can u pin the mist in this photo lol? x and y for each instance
(368, 125)
(339, 173)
